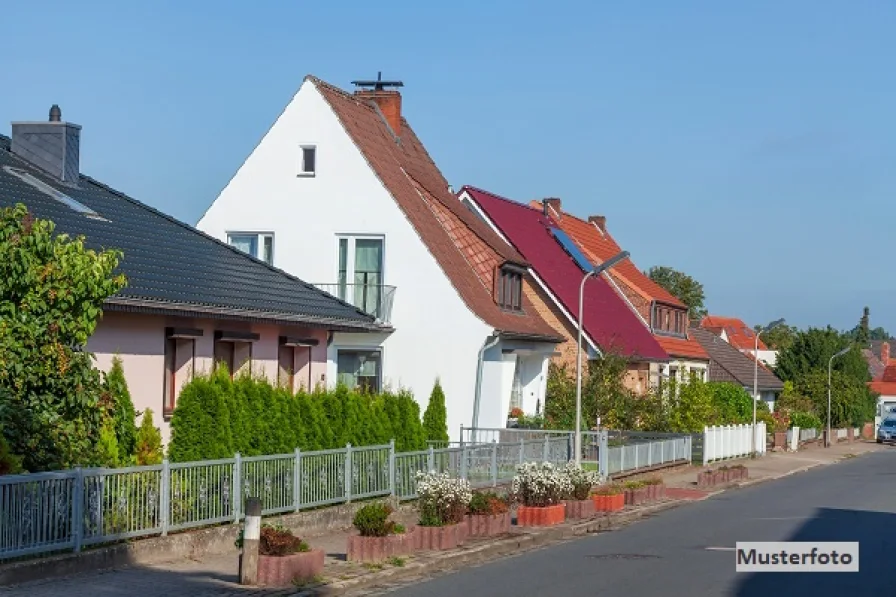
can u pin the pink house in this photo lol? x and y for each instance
(191, 301)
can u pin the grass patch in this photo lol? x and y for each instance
(301, 583)
(396, 561)
(373, 566)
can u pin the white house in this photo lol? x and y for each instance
(341, 192)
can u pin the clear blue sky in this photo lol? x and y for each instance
(750, 144)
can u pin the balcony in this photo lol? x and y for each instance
(373, 299)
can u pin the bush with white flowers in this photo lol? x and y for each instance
(540, 484)
(580, 480)
(442, 499)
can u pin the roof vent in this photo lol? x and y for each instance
(56, 194)
(55, 113)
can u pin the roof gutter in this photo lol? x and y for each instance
(490, 342)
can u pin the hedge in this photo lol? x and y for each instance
(216, 417)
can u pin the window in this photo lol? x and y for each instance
(359, 369)
(509, 289)
(360, 273)
(180, 352)
(286, 373)
(234, 351)
(258, 245)
(669, 321)
(307, 165)
(59, 196)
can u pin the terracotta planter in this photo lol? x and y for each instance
(609, 503)
(780, 439)
(377, 549)
(486, 525)
(282, 571)
(655, 492)
(540, 516)
(437, 538)
(868, 431)
(578, 509)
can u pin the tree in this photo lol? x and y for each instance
(148, 448)
(852, 403)
(435, 417)
(778, 338)
(732, 404)
(811, 351)
(107, 452)
(52, 289)
(863, 335)
(123, 413)
(683, 287)
(691, 406)
(10, 464)
(200, 424)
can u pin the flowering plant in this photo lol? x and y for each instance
(540, 484)
(516, 412)
(580, 480)
(442, 499)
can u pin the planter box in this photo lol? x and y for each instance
(540, 516)
(282, 571)
(780, 440)
(377, 549)
(851, 434)
(438, 538)
(578, 509)
(608, 503)
(868, 431)
(705, 479)
(656, 492)
(486, 525)
(635, 497)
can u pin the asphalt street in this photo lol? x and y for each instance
(688, 551)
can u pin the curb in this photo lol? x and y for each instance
(518, 543)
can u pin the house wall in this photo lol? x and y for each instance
(769, 357)
(436, 335)
(139, 340)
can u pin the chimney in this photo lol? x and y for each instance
(53, 146)
(387, 100)
(552, 203)
(885, 353)
(599, 221)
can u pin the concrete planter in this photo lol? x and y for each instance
(488, 525)
(438, 538)
(705, 479)
(540, 516)
(780, 440)
(635, 497)
(656, 492)
(377, 549)
(851, 434)
(579, 509)
(282, 571)
(609, 503)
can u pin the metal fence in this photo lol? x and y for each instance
(732, 441)
(807, 435)
(648, 453)
(67, 510)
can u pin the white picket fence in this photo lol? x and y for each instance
(731, 441)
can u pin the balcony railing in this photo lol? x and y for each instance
(373, 299)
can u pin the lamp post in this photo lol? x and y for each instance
(770, 326)
(594, 272)
(827, 440)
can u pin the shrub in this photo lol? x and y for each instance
(782, 421)
(580, 481)
(279, 541)
(372, 520)
(123, 410)
(805, 420)
(655, 481)
(148, 448)
(201, 423)
(634, 484)
(435, 418)
(9, 463)
(611, 489)
(442, 499)
(540, 484)
(487, 503)
(516, 412)
(107, 454)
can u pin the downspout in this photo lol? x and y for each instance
(477, 396)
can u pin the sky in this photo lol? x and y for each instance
(751, 145)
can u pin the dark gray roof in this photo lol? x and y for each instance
(171, 267)
(727, 363)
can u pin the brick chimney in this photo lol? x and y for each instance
(599, 221)
(885, 353)
(552, 203)
(387, 100)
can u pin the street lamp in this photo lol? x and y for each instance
(827, 441)
(594, 272)
(770, 326)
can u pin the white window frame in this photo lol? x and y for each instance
(259, 242)
(362, 348)
(303, 172)
(350, 254)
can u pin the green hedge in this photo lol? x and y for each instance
(216, 417)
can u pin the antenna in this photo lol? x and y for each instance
(379, 84)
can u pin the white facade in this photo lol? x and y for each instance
(769, 357)
(343, 200)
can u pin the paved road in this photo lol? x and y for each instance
(668, 555)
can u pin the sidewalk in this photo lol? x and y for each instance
(217, 575)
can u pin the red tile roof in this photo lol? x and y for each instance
(600, 246)
(682, 347)
(607, 319)
(740, 335)
(884, 388)
(889, 374)
(453, 235)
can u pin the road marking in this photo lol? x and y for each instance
(787, 518)
(719, 549)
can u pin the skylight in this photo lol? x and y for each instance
(56, 194)
(570, 247)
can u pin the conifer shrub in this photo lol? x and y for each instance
(435, 418)
(148, 450)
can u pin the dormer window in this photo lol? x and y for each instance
(669, 321)
(509, 289)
